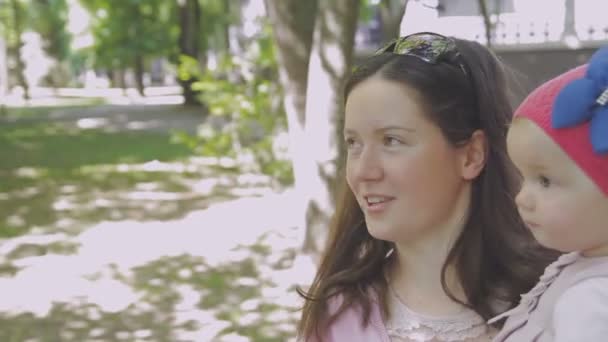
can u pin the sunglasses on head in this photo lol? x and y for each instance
(430, 47)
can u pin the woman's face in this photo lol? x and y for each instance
(407, 178)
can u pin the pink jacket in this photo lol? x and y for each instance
(349, 325)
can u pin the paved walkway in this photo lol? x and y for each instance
(157, 118)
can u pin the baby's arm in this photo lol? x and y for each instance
(581, 313)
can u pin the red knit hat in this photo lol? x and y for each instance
(575, 140)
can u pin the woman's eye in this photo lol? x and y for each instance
(392, 141)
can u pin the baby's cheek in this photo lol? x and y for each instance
(560, 218)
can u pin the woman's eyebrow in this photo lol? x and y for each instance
(382, 129)
(395, 127)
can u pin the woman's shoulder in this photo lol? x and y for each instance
(349, 324)
(354, 311)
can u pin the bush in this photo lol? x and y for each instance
(243, 97)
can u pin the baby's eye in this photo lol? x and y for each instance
(544, 181)
(350, 143)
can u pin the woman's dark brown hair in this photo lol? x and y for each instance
(496, 257)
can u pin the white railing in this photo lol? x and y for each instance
(511, 29)
(536, 23)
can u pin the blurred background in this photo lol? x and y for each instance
(167, 167)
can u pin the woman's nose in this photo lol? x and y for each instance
(369, 166)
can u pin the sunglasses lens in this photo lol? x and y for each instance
(428, 47)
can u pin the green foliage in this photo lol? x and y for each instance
(5, 18)
(366, 11)
(49, 18)
(216, 18)
(126, 29)
(8, 19)
(243, 102)
(188, 67)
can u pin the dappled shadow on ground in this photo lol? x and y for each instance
(86, 322)
(70, 206)
(122, 236)
(237, 298)
(180, 299)
(200, 278)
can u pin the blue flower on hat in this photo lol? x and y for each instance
(586, 99)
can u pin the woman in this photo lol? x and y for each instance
(426, 243)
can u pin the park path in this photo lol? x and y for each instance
(117, 117)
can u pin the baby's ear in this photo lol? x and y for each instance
(474, 155)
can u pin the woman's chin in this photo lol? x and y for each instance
(381, 232)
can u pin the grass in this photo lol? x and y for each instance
(51, 146)
(44, 162)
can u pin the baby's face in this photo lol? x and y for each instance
(563, 207)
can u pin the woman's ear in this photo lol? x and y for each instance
(474, 155)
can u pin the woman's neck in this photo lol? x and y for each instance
(418, 284)
(416, 274)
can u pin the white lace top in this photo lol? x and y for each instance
(405, 325)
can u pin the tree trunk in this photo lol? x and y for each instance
(20, 65)
(113, 78)
(190, 17)
(483, 9)
(315, 41)
(3, 69)
(3, 77)
(139, 74)
(122, 79)
(293, 26)
(226, 28)
(391, 14)
(330, 63)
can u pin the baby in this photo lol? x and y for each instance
(559, 143)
